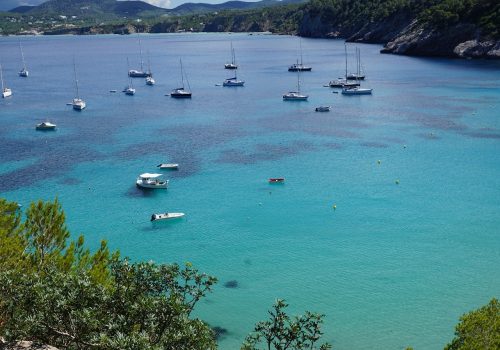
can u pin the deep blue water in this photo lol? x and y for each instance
(394, 265)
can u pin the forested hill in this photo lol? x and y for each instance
(415, 27)
(450, 28)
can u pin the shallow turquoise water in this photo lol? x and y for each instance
(392, 266)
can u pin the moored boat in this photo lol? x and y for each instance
(166, 216)
(323, 109)
(170, 166)
(148, 180)
(6, 92)
(45, 126)
(276, 180)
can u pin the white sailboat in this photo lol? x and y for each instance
(299, 67)
(129, 89)
(353, 90)
(24, 71)
(149, 79)
(77, 103)
(6, 92)
(135, 73)
(181, 92)
(295, 95)
(233, 64)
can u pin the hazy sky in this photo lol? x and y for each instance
(10, 4)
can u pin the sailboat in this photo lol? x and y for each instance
(343, 82)
(295, 95)
(354, 90)
(181, 92)
(134, 73)
(78, 104)
(233, 64)
(358, 75)
(6, 92)
(299, 67)
(24, 71)
(129, 90)
(149, 79)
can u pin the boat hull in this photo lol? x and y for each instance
(233, 83)
(24, 73)
(356, 91)
(180, 95)
(166, 216)
(299, 69)
(6, 93)
(138, 74)
(152, 185)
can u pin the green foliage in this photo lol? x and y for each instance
(478, 329)
(66, 296)
(281, 332)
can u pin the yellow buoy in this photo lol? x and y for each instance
(334, 207)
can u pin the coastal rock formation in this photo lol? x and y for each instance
(458, 41)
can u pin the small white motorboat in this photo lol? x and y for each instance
(45, 126)
(323, 109)
(171, 166)
(148, 180)
(166, 216)
(150, 81)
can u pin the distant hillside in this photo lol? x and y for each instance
(22, 9)
(93, 8)
(193, 8)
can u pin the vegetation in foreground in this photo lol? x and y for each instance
(55, 291)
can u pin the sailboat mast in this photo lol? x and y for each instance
(1, 76)
(345, 49)
(22, 55)
(298, 81)
(76, 79)
(182, 73)
(300, 45)
(140, 53)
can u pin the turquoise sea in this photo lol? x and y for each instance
(394, 265)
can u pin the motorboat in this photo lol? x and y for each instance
(277, 180)
(150, 81)
(180, 93)
(78, 104)
(233, 82)
(45, 126)
(166, 216)
(356, 91)
(170, 166)
(323, 109)
(148, 180)
(295, 96)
